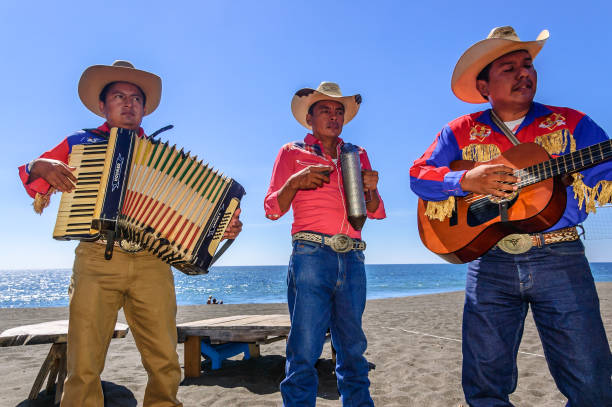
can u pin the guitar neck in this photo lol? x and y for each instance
(565, 164)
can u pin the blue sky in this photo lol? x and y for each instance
(229, 70)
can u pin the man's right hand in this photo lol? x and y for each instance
(490, 179)
(56, 173)
(311, 177)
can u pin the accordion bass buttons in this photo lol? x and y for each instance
(225, 219)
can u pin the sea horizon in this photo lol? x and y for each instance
(39, 288)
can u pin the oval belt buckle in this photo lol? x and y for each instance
(130, 247)
(516, 243)
(341, 243)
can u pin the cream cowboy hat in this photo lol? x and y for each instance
(499, 42)
(96, 77)
(304, 98)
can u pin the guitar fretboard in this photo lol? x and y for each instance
(565, 164)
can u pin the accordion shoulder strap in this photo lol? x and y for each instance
(165, 128)
(98, 132)
(502, 126)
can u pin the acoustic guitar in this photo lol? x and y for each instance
(478, 222)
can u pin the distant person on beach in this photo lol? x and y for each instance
(326, 277)
(546, 271)
(136, 281)
(209, 301)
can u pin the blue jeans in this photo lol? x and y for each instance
(556, 282)
(325, 290)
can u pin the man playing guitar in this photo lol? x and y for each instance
(546, 271)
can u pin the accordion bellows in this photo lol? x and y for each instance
(151, 195)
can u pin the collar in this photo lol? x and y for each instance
(312, 140)
(536, 110)
(106, 128)
(317, 146)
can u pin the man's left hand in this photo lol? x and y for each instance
(235, 226)
(370, 180)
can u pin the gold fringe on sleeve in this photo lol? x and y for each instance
(599, 195)
(480, 152)
(557, 141)
(41, 201)
(440, 210)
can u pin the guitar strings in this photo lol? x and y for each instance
(533, 174)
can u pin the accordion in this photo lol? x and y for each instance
(150, 195)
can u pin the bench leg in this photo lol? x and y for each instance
(61, 375)
(254, 350)
(192, 356)
(333, 351)
(56, 354)
(52, 379)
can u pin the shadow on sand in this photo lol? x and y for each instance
(114, 396)
(261, 376)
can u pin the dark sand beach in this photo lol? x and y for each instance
(414, 342)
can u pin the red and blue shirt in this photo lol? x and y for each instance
(475, 137)
(61, 152)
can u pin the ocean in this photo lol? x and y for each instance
(249, 284)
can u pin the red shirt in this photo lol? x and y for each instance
(322, 209)
(61, 152)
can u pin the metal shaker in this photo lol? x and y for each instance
(353, 185)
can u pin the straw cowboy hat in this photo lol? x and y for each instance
(304, 98)
(96, 77)
(499, 42)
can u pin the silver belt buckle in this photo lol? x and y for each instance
(516, 243)
(341, 243)
(130, 247)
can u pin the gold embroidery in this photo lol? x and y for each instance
(591, 197)
(553, 121)
(440, 210)
(480, 152)
(41, 201)
(557, 141)
(480, 132)
(601, 194)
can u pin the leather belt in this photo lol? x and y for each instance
(124, 245)
(521, 242)
(340, 243)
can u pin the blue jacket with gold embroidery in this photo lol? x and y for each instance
(475, 137)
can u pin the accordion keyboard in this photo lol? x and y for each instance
(150, 194)
(77, 207)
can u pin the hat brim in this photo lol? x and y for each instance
(96, 77)
(301, 104)
(481, 54)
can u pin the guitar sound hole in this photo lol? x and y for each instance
(485, 209)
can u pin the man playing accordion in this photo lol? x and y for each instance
(136, 281)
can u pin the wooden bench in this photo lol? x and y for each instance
(254, 330)
(54, 366)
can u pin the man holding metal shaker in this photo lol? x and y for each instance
(325, 181)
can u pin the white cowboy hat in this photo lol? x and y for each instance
(499, 42)
(96, 77)
(304, 98)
